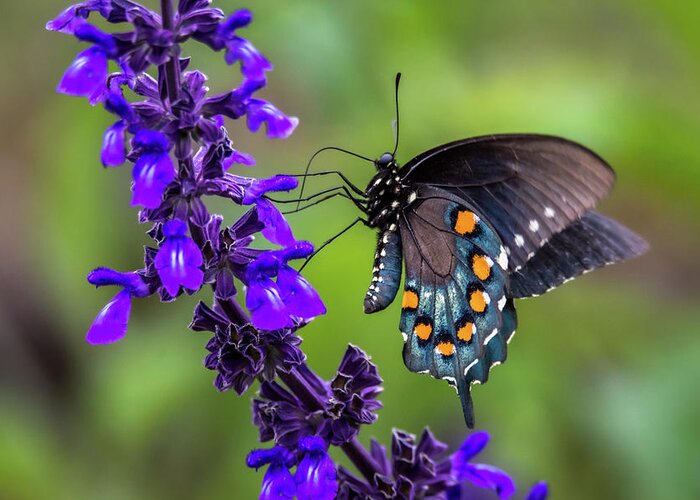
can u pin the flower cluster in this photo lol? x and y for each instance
(173, 132)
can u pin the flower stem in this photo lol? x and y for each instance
(172, 66)
(361, 458)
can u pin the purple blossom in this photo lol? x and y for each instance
(278, 124)
(353, 395)
(538, 492)
(113, 152)
(277, 304)
(415, 469)
(481, 475)
(112, 321)
(278, 482)
(240, 354)
(153, 170)
(315, 475)
(179, 259)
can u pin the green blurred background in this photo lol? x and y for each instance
(600, 393)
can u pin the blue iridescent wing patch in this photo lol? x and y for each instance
(456, 318)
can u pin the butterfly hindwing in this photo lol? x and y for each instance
(529, 187)
(454, 295)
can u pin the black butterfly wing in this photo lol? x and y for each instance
(591, 242)
(529, 187)
(456, 319)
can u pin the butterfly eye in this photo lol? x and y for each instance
(385, 160)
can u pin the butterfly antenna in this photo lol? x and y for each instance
(327, 148)
(396, 99)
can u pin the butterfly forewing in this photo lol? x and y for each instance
(529, 187)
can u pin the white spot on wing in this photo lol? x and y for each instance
(519, 240)
(510, 338)
(501, 303)
(487, 299)
(412, 197)
(549, 212)
(503, 259)
(405, 336)
(534, 225)
(491, 335)
(469, 366)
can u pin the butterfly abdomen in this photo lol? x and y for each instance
(386, 274)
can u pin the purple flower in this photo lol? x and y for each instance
(282, 416)
(278, 124)
(112, 321)
(87, 74)
(415, 470)
(113, 153)
(277, 304)
(179, 259)
(538, 492)
(315, 475)
(241, 353)
(74, 16)
(278, 482)
(153, 170)
(481, 475)
(354, 390)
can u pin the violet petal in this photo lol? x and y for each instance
(111, 322)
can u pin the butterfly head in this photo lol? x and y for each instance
(385, 162)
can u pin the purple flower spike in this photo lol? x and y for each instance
(153, 170)
(278, 482)
(279, 125)
(112, 321)
(86, 75)
(179, 259)
(315, 476)
(538, 492)
(113, 152)
(481, 475)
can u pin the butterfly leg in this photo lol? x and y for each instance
(347, 181)
(359, 203)
(330, 240)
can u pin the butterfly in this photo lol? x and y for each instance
(478, 223)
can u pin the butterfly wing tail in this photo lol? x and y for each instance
(465, 397)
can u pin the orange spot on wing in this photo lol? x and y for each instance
(466, 222)
(410, 300)
(423, 330)
(446, 348)
(465, 333)
(477, 301)
(481, 267)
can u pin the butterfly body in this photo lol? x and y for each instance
(478, 223)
